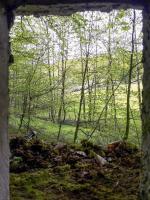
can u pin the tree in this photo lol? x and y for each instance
(130, 77)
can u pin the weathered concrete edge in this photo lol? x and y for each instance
(68, 9)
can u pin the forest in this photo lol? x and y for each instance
(75, 106)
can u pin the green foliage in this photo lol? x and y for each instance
(51, 54)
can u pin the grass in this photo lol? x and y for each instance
(104, 133)
(48, 131)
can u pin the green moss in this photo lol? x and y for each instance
(83, 166)
(83, 180)
(48, 185)
(62, 170)
(27, 185)
(37, 185)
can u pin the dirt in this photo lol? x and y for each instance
(42, 171)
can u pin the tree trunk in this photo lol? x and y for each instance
(81, 98)
(4, 145)
(126, 135)
(24, 108)
(145, 182)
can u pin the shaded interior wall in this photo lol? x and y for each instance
(4, 146)
(66, 7)
(145, 182)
